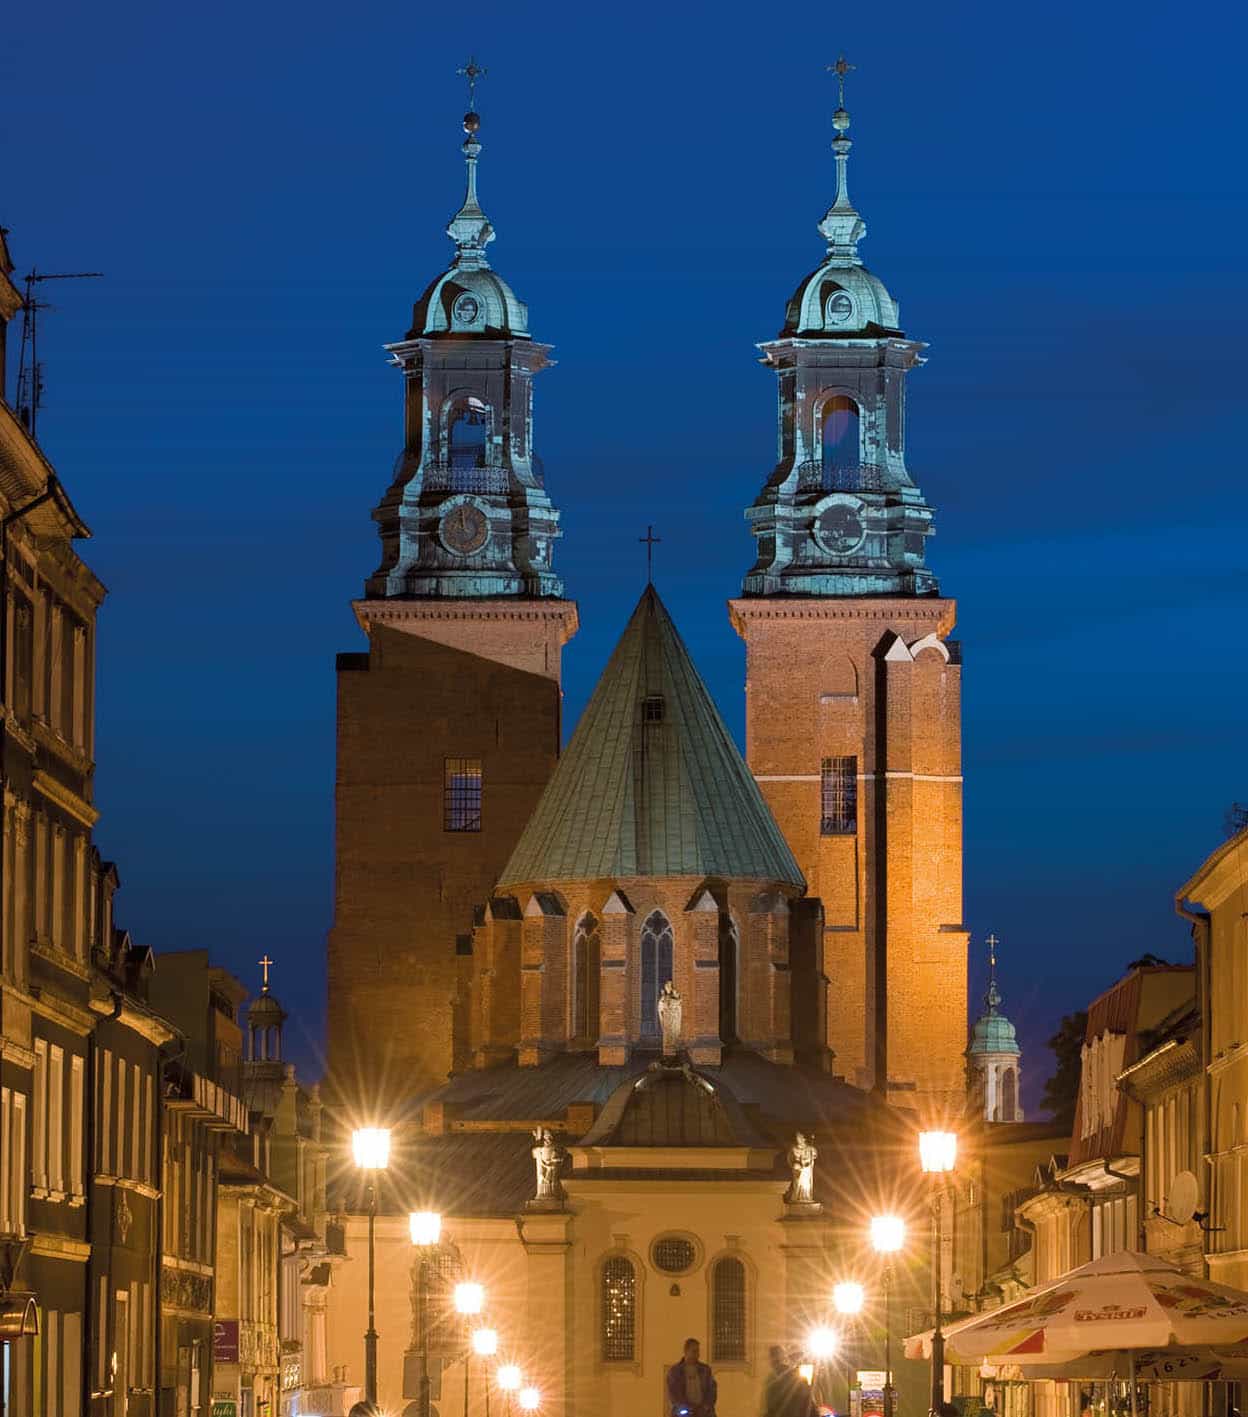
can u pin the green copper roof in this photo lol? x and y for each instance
(993, 1032)
(652, 783)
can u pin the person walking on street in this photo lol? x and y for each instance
(785, 1393)
(691, 1387)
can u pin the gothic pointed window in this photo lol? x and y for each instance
(656, 969)
(586, 967)
(839, 446)
(619, 1310)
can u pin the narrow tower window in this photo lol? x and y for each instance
(586, 966)
(1009, 1095)
(729, 977)
(468, 434)
(656, 969)
(839, 445)
(839, 797)
(461, 795)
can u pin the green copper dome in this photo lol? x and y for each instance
(652, 783)
(993, 1032)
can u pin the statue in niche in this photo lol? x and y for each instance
(802, 1155)
(671, 1008)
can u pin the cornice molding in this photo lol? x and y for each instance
(560, 613)
(65, 798)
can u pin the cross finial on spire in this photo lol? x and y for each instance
(650, 541)
(840, 69)
(266, 964)
(992, 942)
(472, 71)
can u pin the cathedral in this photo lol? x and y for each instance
(653, 1022)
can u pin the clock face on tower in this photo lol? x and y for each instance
(839, 529)
(464, 529)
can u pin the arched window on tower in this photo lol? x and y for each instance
(839, 445)
(728, 1310)
(1009, 1095)
(468, 436)
(586, 969)
(729, 977)
(656, 968)
(619, 1310)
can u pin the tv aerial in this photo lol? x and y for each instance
(30, 384)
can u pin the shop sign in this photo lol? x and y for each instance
(224, 1408)
(225, 1343)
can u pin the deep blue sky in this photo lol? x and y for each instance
(1055, 196)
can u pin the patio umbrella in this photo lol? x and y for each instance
(1107, 1316)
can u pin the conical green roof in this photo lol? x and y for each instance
(652, 783)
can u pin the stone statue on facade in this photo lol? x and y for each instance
(802, 1156)
(671, 1008)
(548, 1157)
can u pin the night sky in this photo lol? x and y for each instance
(1055, 196)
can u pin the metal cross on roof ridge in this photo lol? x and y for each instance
(650, 541)
(472, 71)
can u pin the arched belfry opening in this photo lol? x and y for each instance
(729, 977)
(468, 434)
(839, 443)
(657, 946)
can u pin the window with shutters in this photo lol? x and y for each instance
(728, 1310)
(619, 1310)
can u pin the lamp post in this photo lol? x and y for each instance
(821, 1344)
(888, 1235)
(469, 1300)
(485, 1345)
(371, 1146)
(425, 1227)
(938, 1154)
(509, 1379)
(848, 1298)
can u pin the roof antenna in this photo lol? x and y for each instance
(29, 370)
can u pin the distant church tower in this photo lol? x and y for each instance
(994, 1055)
(448, 726)
(852, 683)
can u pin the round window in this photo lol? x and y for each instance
(674, 1254)
(466, 309)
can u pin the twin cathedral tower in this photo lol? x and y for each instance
(498, 903)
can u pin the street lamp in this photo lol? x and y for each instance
(425, 1227)
(485, 1345)
(469, 1300)
(509, 1378)
(848, 1297)
(888, 1235)
(938, 1154)
(371, 1146)
(529, 1399)
(821, 1344)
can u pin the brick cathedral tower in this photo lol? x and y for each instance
(448, 725)
(852, 683)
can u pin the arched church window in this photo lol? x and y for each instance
(656, 968)
(729, 977)
(619, 1310)
(1009, 1095)
(586, 969)
(728, 1310)
(439, 1274)
(839, 445)
(468, 434)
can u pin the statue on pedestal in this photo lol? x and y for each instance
(548, 1156)
(671, 1008)
(802, 1156)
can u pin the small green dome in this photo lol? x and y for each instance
(993, 1032)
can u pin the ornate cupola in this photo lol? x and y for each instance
(994, 1054)
(467, 514)
(840, 515)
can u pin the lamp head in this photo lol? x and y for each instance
(469, 1298)
(509, 1377)
(371, 1146)
(849, 1297)
(806, 1371)
(938, 1151)
(822, 1343)
(888, 1234)
(484, 1342)
(425, 1227)
(529, 1399)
